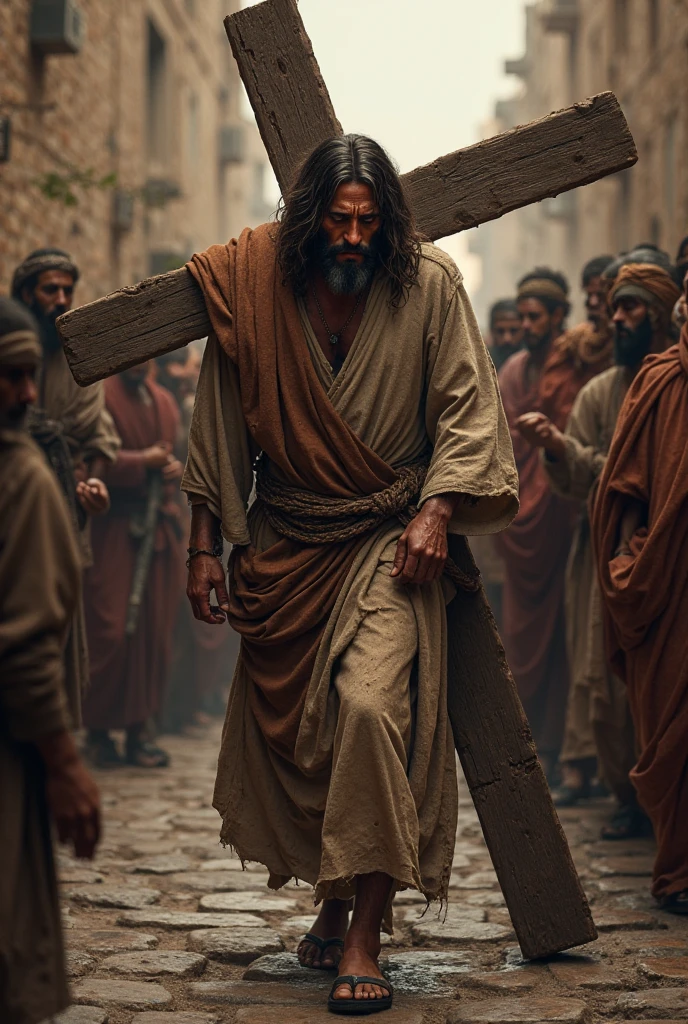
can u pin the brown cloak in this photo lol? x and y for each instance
(646, 594)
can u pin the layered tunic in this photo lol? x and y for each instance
(597, 716)
(645, 594)
(73, 427)
(337, 757)
(129, 673)
(535, 547)
(39, 590)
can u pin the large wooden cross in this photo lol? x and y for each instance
(563, 151)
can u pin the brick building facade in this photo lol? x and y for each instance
(152, 97)
(576, 48)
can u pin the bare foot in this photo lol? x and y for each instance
(331, 922)
(360, 961)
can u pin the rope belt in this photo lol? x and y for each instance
(316, 519)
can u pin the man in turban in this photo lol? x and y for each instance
(70, 424)
(535, 546)
(641, 301)
(640, 534)
(41, 774)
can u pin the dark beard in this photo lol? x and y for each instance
(50, 339)
(15, 418)
(631, 347)
(347, 278)
(534, 344)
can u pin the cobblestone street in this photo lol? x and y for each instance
(165, 928)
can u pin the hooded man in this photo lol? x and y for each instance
(598, 723)
(41, 774)
(70, 424)
(640, 533)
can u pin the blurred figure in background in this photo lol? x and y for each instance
(41, 774)
(134, 587)
(506, 332)
(640, 533)
(597, 712)
(70, 424)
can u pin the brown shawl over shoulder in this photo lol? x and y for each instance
(281, 598)
(646, 594)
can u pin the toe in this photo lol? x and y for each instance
(343, 992)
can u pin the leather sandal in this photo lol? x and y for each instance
(628, 822)
(360, 1007)
(144, 754)
(677, 903)
(322, 945)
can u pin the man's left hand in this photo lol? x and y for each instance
(422, 550)
(93, 496)
(539, 431)
(174, 470)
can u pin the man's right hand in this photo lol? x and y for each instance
(73, 798)
(206, 574)
(157, 456)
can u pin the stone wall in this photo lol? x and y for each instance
(145, 99)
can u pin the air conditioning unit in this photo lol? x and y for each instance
(232, 144)
(57, 26)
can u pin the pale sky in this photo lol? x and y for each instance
(420, 76)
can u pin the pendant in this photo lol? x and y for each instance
(334, 339)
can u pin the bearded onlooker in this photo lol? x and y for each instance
(639, 529)
(506, 332)
(641, 302)
(69, 423)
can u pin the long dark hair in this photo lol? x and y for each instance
(338, 161)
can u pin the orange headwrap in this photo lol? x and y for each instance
(650, 284)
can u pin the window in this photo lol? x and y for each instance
(156, 94)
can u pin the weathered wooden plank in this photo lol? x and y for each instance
(529, 851)
(564, 150)
(283, 81)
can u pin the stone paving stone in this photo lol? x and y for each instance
(183, 1017)
(80, 876)
(232, 864)
(81, 1015)
(626, 921)
(519, 1011)
(461, 861)
(173, 963)
(478, 880)
(218, 881)
(286, 969)
(115, 897)
(655, 1004)
(165, 864)
(315, 1015)
(115, 941)
(456, 913)
(78, 963)
(246, 993)
(458, 926)
(482, 898)
(235, 945)
(584, 972)
(669, 968)
(426, 972)
(258, 902)
(171, 920)
(132, 995)
(511, 982)
(621, 884)
(633, 866)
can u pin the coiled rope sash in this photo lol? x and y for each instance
(316, 519)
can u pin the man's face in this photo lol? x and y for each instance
(506, 331)
(537, 322)
(51, 297)
(633, 328)
(348, 246)
(596, 301)
(135, 375)
(17, 393)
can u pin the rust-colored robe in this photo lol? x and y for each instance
(535, 548)
(40, 581)
(645, 595)
(129, 674)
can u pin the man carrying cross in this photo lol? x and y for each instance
(345, 360)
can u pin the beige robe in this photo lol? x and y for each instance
(39, 589)
(90, 433)
(598, 722)
(374, 784)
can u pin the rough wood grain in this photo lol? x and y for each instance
(529, 851)
(564, 150)
(283, 81)
(561, 151)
